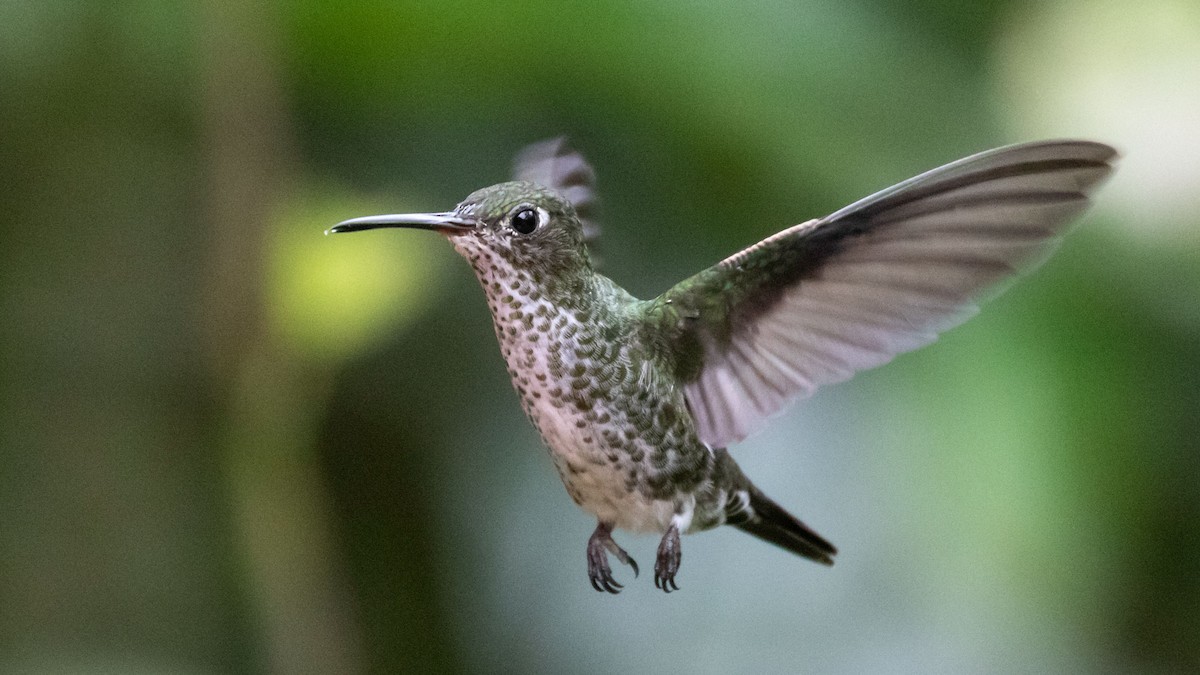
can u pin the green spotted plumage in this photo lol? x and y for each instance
(638, 399)
(598, 390)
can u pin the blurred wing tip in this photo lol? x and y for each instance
(553, 163)
(539, 151)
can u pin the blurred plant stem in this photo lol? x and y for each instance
(295, 576)
(279, 501)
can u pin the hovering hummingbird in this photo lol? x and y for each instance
(638, 400)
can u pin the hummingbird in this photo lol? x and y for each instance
(638, 400)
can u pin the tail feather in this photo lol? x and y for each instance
(768, 521)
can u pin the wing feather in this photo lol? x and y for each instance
(820, 301)
(554, 164)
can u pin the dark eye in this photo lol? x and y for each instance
(525, 221)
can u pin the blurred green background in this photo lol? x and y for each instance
(229, 444)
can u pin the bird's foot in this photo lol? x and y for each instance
(667, 564)
(599, 546)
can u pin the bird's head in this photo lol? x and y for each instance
(510, 227)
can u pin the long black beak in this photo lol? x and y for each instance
(441, 222)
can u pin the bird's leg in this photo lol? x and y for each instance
(667, 564)
(599, 545)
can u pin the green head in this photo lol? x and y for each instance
(507, 228)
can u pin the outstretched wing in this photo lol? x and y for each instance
(554, 164)
(822, 300)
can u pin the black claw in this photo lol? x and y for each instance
(604, 582)
(632, 563)
(611, 584)
(666, 583)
